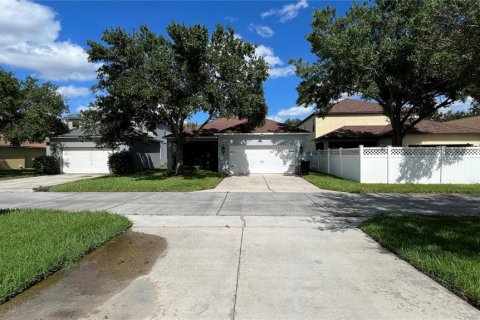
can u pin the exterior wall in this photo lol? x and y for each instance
(435, 139)
(225, 141)
(21, 157)
(161, 131)
(309, 126)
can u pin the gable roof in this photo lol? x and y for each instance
(4, 143)
(423, 127)
(235, 125)
(470, 122)
(351, 106)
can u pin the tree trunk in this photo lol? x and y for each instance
(397, 137)
(179, 157)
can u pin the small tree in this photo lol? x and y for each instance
(29, 111)
(293, 122)
(403, 54)
(147, 79)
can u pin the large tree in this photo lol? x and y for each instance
(146, 79)
(407, 55)
(29, 110)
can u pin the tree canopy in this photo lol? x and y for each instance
(29, 110)
(410, 56)
(146, 79)
(293, 122)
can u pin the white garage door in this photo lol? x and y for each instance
(85, 160)
(262, 159)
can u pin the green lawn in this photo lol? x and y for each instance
(36, 242)
(329, 182)
(446, 248)
(16, 173)
(154, 180)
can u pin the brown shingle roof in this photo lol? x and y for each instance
(5, 143)
(470, 122)
(351, 106)
(235, 125)
(423, 127)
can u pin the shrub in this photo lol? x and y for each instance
(46, 165)
(120, 162)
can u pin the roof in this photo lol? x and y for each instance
(5, 143)
(351, 106)
(235, 125)
(470, 122)
(423, 127)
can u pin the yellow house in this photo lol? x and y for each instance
(20, 157)
(351, 123)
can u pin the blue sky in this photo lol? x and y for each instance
(46, 39)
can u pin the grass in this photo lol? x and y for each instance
(37, 242)
(446, 248)
(329, 182)
(154, 180)
(16, 173)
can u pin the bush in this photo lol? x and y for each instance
(120, 162)
(46, 165)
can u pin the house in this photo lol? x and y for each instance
(230, 146)
(351, 123)
(19, 157)
(79, 154)
(469, 122)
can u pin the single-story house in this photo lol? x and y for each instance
(19, 157)
(78, 154)
(230, 146)
(424, 133)
(351, 123)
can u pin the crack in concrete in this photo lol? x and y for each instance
(224, 199)
(238, 268)
(268, 186)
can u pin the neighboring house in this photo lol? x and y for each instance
(80, 155)
(351, 123)
(469, 122)
(19, 157)
(229, 146)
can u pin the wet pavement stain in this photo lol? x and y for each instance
(77, 292)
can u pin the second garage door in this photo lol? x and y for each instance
(85, 160)
(262, 159)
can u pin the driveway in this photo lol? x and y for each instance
(264, 183)
(27, 184)
(231, 267)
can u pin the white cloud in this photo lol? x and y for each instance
(29, 40)
(277, 68)
(461, 105)
(82, 108)
(262, 31)
(293, 112)
(73, 91)
(237, 36)
(231, 19)
(287, 12)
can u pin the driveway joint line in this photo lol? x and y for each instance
(238, 269)
(268, 186)
(223, 202)
(53, 199)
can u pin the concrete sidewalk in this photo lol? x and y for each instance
(28, 184)
(265, 183)
(234, 267)
(246, 204)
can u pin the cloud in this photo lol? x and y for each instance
(277, 68)
(73, 91)
(293, 112)
(231, 19)
(29, 40)
(460, 105)
(82, 108)
(262, 31)
(287, 12)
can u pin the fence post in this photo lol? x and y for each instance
(328, 160)
(360, 153)
(341, 161)
(441, 159)
(318, 161)
(389, 163)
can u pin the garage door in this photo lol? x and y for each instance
(262, 159)
(85, 160)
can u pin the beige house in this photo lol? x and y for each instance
(351, 123)
(19, 157)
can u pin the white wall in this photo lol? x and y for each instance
(401, 165)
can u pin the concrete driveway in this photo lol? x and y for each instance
(28, 184)
(265, 183)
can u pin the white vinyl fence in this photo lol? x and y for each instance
(401, 165)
